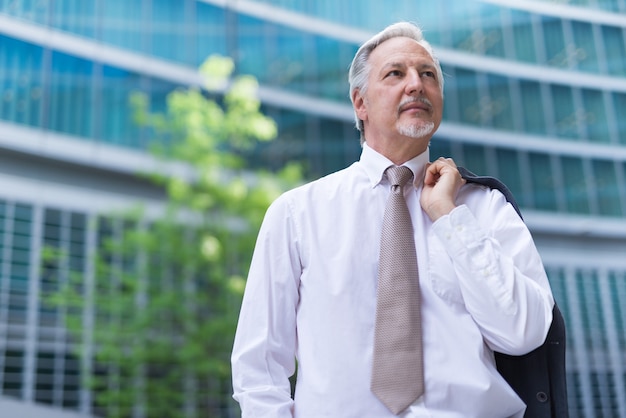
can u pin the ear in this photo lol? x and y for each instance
(358, 101)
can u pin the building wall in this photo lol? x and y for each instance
(535, 95)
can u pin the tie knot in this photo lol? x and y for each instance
(398, 176)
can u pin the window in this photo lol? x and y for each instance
(121, 24)
(469, 108)
(532, 107)
(584, 51)
(523, 36)
(565, 115)
(116, 125)
(574, 179)
(500, 111)
(606, 188)
(13, 373)
(71, 95)
(474, 159)
(615, 50)
(619, 102)
(509, 173)
(556, 53)
(542, 180)
(20, 85)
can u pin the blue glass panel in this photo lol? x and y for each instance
(21, 235)
(123, 24)
(565, 115)
(523, 38)
(499, 106)
(533, 112)
(158, 94)
(31, 10)
(288, 65)
(469, 109)
(542, 180)
(169, 31)
(595, 116)
(607, 193)
(614, 44)
(116, 125)
(290, 145)
(510, 173)
(474, 159)
(556, 54)
(584, 50)
(610, 5)
(332, 59)
(20, 259)
(492, 30)
(211, 31)
(20, 83)
(339, 145)
(619, 104)
(52, 234)
(429, 17)
(617, 291)
(254, 55)
(76, 16)
(462, 34)
(440, 147)
(13, 372)
(576, 197)
(23, 212)
(71, 95)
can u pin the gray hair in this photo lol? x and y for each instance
(360, 68)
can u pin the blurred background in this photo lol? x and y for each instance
(535, 94)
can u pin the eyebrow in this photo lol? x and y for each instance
(393, 65)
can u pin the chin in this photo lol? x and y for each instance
(418, 132)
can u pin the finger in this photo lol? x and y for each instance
(447, 161)
(433, 172)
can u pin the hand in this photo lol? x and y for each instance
(441, 186)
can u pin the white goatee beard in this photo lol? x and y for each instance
(417, 132)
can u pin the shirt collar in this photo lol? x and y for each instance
(375, 165)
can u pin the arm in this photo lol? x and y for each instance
(263, 355)
(500, 273)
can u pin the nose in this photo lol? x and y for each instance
(413, 83)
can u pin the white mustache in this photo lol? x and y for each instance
(422, 100)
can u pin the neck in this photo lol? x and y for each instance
(399, 153)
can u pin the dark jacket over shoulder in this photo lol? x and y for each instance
(539, 376)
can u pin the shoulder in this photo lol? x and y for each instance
(491, 184)
(487, 203)
(327, 185)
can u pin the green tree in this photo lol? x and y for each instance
(167, 289)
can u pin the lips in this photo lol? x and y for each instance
(416, 104)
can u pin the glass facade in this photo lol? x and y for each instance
(535, 95)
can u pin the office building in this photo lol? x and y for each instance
(535, 95)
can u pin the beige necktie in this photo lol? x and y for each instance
(397, 369)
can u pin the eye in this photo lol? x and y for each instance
(394, 73)
(430, 74)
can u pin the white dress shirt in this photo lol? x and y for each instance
(311, 295)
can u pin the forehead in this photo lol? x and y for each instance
(400, 50)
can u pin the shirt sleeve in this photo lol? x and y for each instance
(500, 274)
(263, 356)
